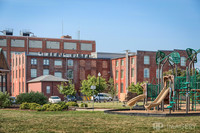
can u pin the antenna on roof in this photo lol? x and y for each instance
(62, 27)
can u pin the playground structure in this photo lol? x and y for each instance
(183, 92)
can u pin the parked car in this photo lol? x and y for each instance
(102, 97)
(70, 98)
(54, 99)
(12, 99)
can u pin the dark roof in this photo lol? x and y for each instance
(50, 78)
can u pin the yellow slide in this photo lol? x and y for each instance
(158, 100)
(135, 99)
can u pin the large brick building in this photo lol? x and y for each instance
(47, 47)
(140, 67)
(26, 67)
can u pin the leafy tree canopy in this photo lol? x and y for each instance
(67, 88)
(136, 88)
(92, 80)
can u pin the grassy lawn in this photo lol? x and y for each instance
(12, 121)
(109, 105)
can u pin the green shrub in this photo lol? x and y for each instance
(34, 105)
(32, 97)
(54, 107)
(72, 104)
(4, 100)
(45, 106)
(63, 105)
(24, 106)
(84, 105)
(39, 108)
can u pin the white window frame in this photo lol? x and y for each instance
(70, 62)
(146, 73)
(46, 62)
(33, 73)
(48, 89)
(33, 61)
(45, 71)
(183, 61)
(146, 60)
(55, 74)
(58, 62)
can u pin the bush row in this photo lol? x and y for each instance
(47, 107)
(32, 97)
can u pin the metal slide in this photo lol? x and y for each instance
(135, 99)
(159, 99)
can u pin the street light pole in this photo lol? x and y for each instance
(93, 87)
(99, 75)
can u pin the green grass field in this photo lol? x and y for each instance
(13, 121)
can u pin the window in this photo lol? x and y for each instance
(183, 61)
(70, 74)
(116, 74)
(146, 73)
(86, 46)
(122, 74)
(117, 63)
(132, 61)
(48, 89)
(70, 45)
(22, 86)
(70, 62)
(122, 62)
(19, 87)
(58, 62)
(146, 59)
(35, 44)
(46, 62)
(157, 73)
(23, 72)
(132, 72)
(16, 73)
(3, 42)
(52, 45)
(121, 89)
(17, 43)
(19, 73)
(33, 61)
(45, 71)
(58, 74)
(33, 73)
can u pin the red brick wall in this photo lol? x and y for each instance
(54, 90)
(35, 87)
(8, 48)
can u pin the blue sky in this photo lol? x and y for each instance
(115, 25)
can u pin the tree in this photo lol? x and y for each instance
(67, 88)
(111, 88)
(136, 88)
(92, 80)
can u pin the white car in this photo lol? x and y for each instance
(102, 97)
(54, 99)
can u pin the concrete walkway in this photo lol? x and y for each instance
(92, 109)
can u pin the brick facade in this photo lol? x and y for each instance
(81, 68)
(23, 44)
(138, 66)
